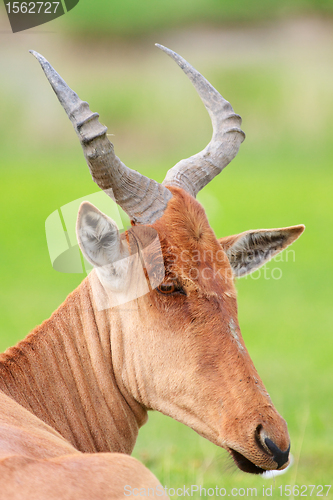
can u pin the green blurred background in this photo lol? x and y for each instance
(273, 60)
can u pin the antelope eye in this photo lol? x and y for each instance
(169, 288)
(166, 288)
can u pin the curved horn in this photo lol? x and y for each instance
(195, 172)
(143, 199)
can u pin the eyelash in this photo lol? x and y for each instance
(170, 288)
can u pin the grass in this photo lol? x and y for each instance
(282, 176)
(129, 18)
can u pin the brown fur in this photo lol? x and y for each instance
(82, 382)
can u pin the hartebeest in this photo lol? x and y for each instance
(83, 381)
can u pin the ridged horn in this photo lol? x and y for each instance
(143, 199)
(194, 173)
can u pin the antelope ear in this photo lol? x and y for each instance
(98, 237)
(250, 250)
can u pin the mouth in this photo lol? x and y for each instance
(244, 463)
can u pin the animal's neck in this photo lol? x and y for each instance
(63, 373)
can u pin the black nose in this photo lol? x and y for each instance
(279, 456)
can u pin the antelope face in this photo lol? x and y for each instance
(177, 346)
(213, 384)
(182, 350)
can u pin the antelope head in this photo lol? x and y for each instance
(179, 350)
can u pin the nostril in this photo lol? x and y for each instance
(268, 446)
(260, 438)
(279, 456)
